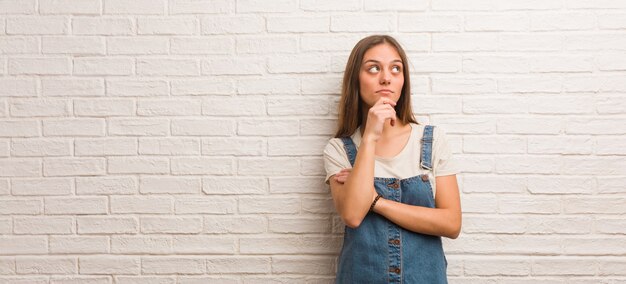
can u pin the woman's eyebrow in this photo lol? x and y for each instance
(376, 61)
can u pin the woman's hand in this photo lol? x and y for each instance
(342, 176)
(377, 116)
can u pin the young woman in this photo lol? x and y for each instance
(392, 180)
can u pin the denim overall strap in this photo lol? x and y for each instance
(427, 147)
(348, 144)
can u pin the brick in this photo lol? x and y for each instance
(238, 264)
(213, 86)
(269, 86)
(610, 184)
(105, 147)
(79, 245)
(202, 45)
(43, 225)
(275, 44)
(611, 267)
(4, 187)
(73, 166)
(298, 185)
(562, 21)
(18, 88)
(296, 146)
(118, 185)
(308, 64)
(290, 245)
(148, 279)
(168, 107)
(198, 245)
(72, 87)
(601, 165)
(80, 279)
(462, 85)
(593, 42)
(39, 66)
(18, 7)
(138, 127)
(464, 42)
(234, 106)
(567, 105)
(20, 167)
(542, 84)
(467, 125)
(202, 6)
(172, 185)
(102, 26)
(521, 126)
(136, 88)
(595, 205)
(234, 224)
(202, 205)
(484, 105)
(497, 22)
(202, 127)
(40, 108)
(74, 127)
(107, 225)
(41, 25)
(18, 44)
(493, 184)
(610, 62)
(138, 165)
(362, 23)
(497, 266)
(7, 265)
(544, 64)
(495, 64)
(494, 144)
(563, 267)
(169, 146)
(168, 67)
(142, 7)
(316, 265)
(42, 186)
(302, 106)
(33, 147)
(144, 45)
(299, 24)
(141, 205)
(312, 167)
(547, 225)
(257, 6)
(529, 42)
(168, 26)
(202, 166)
(234, 185)
(75, 45)
(456, 5)
(114, 107)
(46, 265)
(317, 126)
(13, 245)
(299, 225)
(88, 7)
(594, 126)
(511, 244)
(233, 146)
(234, 66)
(172, 265)
(560, 145)
(22, 206)
(610, 146)
(529, 5)
(529, 204)
(326, 43)
(480, 203)
(494, 225)
(240, 24)
(103, 66)
(141, 244)
(527, 164)
(274, 205)
(611, 21)
(329, 5)
(109, 264)
(318, 205)
(270, 167)
(267, 127)
(75, 205)
(429, 23)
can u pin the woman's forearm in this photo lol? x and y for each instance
(431, 221)
(359, 187)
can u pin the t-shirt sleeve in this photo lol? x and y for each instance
(335, 158)
(444, 163)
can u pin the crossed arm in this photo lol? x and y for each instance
(443, 220)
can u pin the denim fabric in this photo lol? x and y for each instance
(379, 251)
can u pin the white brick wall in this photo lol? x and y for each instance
(179, 141)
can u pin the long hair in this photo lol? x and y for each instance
(352, 109)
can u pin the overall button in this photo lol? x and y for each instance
(425, 177)
(394, 241)
(394, 269)
(394, 185)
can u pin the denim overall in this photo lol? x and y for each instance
(379, 251)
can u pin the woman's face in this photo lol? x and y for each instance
(381, 74)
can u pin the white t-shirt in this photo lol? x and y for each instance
(404, 165)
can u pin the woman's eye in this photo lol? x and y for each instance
(396, 69)
(373, 69)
